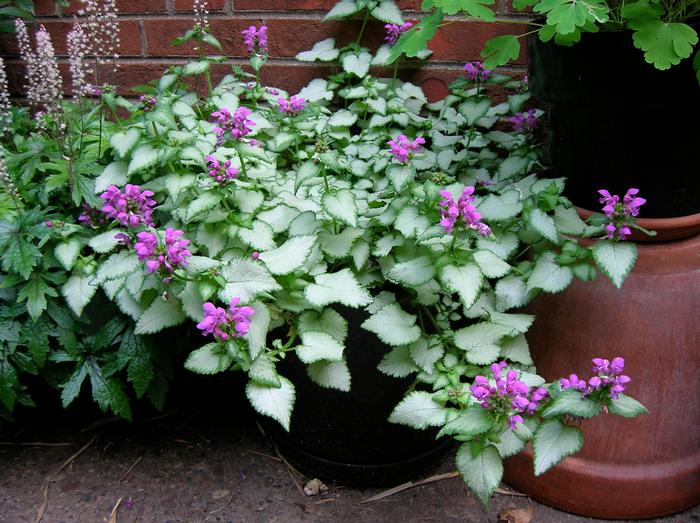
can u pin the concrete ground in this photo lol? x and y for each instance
(190, 465)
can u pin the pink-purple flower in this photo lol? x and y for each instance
(508, 397)
(131, 207)
(255, 39)
(402, 147)
(238, 124)
(524, 121)
(619, 212)
(221, 173)
(92, 217)
(148, 102)
(608, 378)
(450, 211)
(393, 31)
(476, 72)
(173, 253)
(224, 324)
(293, 106)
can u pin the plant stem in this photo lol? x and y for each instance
(362, 29)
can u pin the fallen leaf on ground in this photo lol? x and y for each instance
(516, 515)
(315, 487)
(218, 494)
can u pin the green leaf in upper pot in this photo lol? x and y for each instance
(393, 325)
(419, 410)
(571, 402)
(209, 359)
(471, 421)
(275, 402)
(664, 44)
(549, 276)
(544, 224)
(500, 50)
(465, 280)
(615, 259)
(481, 470)
(554, 441)
(626, 407)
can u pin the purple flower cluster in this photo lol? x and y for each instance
(608, 377)
(222, 324)
(237, 124)
(92, 217)
(393, 32)
(619, 212)
(403, 147)
(293, 106)
(525, 121)
(131, 208)
(148, 102)
(255, 39)
(221, 173)
(509, 396)
(476, 72)
(464, 207)
(169, 256)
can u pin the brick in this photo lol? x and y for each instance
(45, 7)
(463, 41)
(187, 5)
(123, 7)
(130, 36)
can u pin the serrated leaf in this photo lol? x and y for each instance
(387, 11)
(568, 221)
(425, 353)
(124, 142)
(544, 224)
(571, 402)
(519, 323)
(500, 50)
(549, 276)
(289, 256)
(397, 363)
(160, 315)
(511, 292)
(341, 205)
(258, 329)
(517, 350)
(393, 325)
(626, 407)
(67, 252)
(35, 292)
(114, 174)
(553, 442)
(260, 236)
(342, 118)
(615, 259)
(343, 9)
(418, 410)
(209, 359)
(357, 64)
(118, 265)
(328, 321)
(275, 402)
(491, 265)
(330, 375)
(143, 158)
(410, 222)
(664, 44)
(337, 287)
(103, 242)
(176, 183)
(316, 90)
(400, 175)
(316, 346)
(263, 371)
(465, 280)
(339, 245)
(481, 472)
(500, 207)
(480, 341)
(78, 291)
(204, 203)
(245, 279)
(510, 444)
(324, 51)
(474, 109)
(471, 421)
(414, 272)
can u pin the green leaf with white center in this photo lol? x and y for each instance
(124, 142)
(78, 291)
(342, 118)
(481, 472)
(500, 50)
(426, 353)
(337, 287)
(248, 201)
(281, 141)
(176, 183)
(553, 442)
(328, 321)
(258, 329)
(571, 402)
(143, 157)
(517, 350)
(263, 372)
(317, 346)
(400, 175)
(289, 256)
(568, 221)
(397, 363)
(512, 166)
(393, 325)
(491, 265)
(480, 341)
(471, 421)
(279, 217)
(201, 205)
(246, 279)
(519, 323)
(67, 252)
(343, 9)
(413, 272)
(192, 301)
(114, 174)
(128, 305)
(512, 292)
(502, 244)
(410, 222)
(360, 254)
(324, 51)
(330, 374)
(378, 105)
(260, 237)
(209, 359)
(307, 171)
(118, 265)
(465, 280)
(200, 264)
(544, 224)
(615, 259)
(316, 90)
(381, 57)
(104, 242)
(341, 205)
(500, 207)
(419, 410)
(357, 64)
(195, 68)
(160, 315)
(626, 407)
(474, 109)
(549, 276)
(339, 245)
(510, 444)
(275, 402)
(387, 11)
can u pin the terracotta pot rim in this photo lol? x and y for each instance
(668, 229)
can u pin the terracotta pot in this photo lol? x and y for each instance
(649, 466)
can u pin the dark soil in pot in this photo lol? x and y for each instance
(345, 436)
(617, 122)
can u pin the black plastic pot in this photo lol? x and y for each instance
(345, 436)
(617, 122)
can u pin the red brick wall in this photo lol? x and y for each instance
(148, 27)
